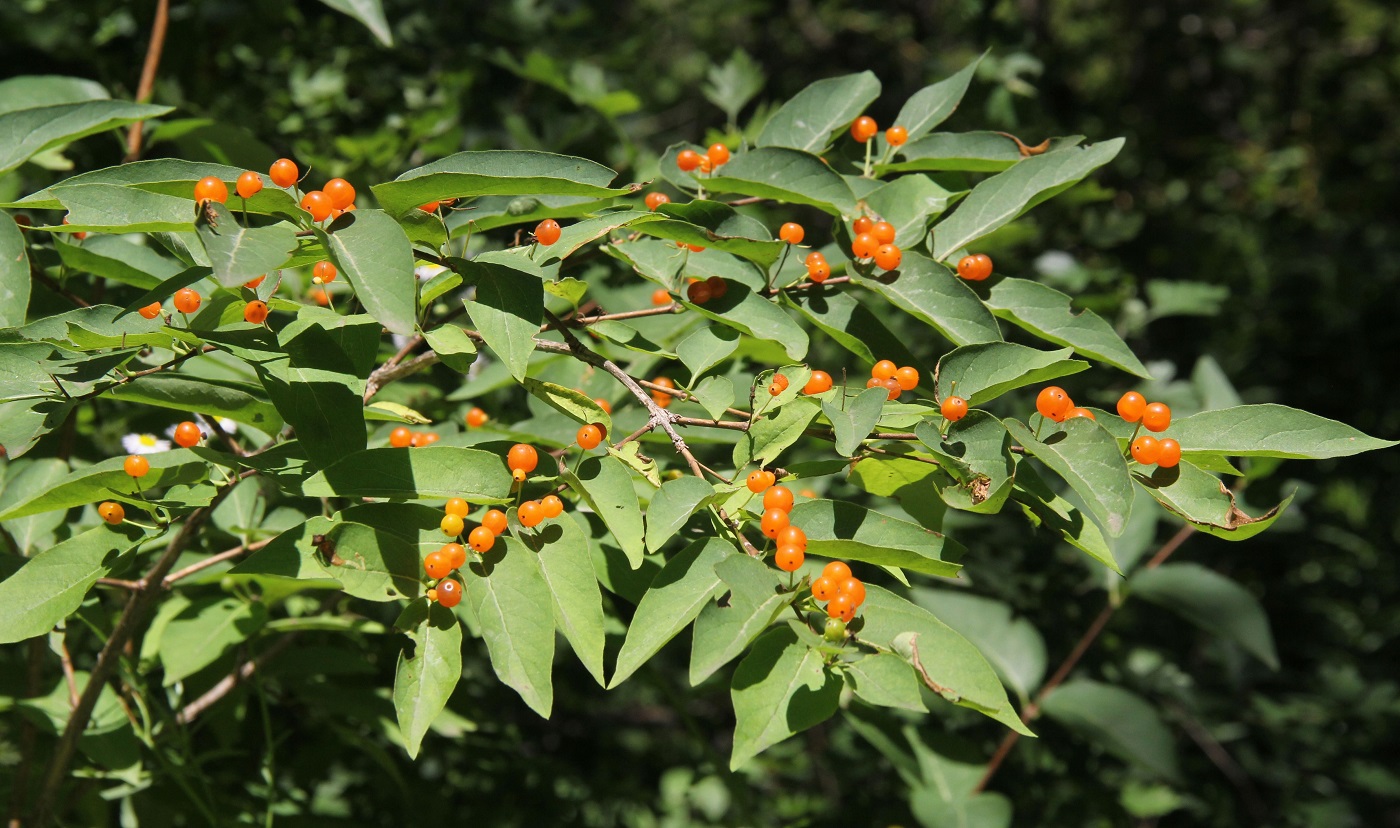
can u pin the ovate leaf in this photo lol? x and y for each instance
(509, 597)
(497, 173)
(424, 679)
(1211, 601)
(724, 629)
(672, 506)
(14, 275)
(563, 557)
(606, 485)
(932, 294)
(809, 120)
(508, 310)
(371, 563)
(931, 105)
(781, 687)
(1124, 723)
(1089, 460)
(676, 595)
(374, 253)
(1047, 313)
(786, 175)
(981, 373)
(855, 422)
(237, 253)
(1205, 502)
(1271, 431)
(842, 530)
(28, 132)
(370, 13)
(430, 472)
(51, 585)
(204, 631)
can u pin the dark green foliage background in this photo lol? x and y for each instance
(1261, 156)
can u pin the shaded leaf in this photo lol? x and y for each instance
(495, 173)
(51, 585)
(430, 472)
(1211, 601)
(672, 506)
(1124, 723)
(237, 253)
(508, 310)
(28, 132)
(724, 630)
(780, 688)
(1205, 502)
(507, 594)
(1089, 460)
(932, 294)
(676, 595)
(811, 117)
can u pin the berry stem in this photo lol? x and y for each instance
(1128, 452)
(868, 150)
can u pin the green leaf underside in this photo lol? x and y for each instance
(425, 677)
(1124, 723)
(981, 373)
(508, 596)
(724, 630)
(1204, 501)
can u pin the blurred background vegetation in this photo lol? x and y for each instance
(1261, 149)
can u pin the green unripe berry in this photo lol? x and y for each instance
(835, 630)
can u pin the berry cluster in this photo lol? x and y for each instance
(875, 240)
(842, 592)
(1055, 405)
(403, 437)
(689, 160)
(700, 291)
(1155, 417)
(776, 524)
(864, 128)
(817, 268)
(895, 380)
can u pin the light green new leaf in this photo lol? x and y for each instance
(50, 586)
(371, 563)
(932, 105)
(508, 597)
(981, 373)
(508, 310)
(707, 347)
(781, 687)
(732, 85)
(202, 632)
(772, 434)
(886, 680)
(1012, 645)
(24, 133)
(14, 275)
(573, 404)
(1048, 314)
(430, 472)
(606, 485)
(931, 293)
(809, 120)
(672, 506)
(239, 254)
(1124, 723)
(371, 14)
(842, 530)
(1205, 502)
(108, 481)
(1211, 601)
(1089, 460)
(1001, 198)
(496, 173)
(857, 420)
(676, 595)
(374, 253)
(424, 681)
(452, 345)
(785, 175)
(1270, 430)
(724, 630)
(562, 552)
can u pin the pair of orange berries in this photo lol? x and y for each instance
(700, 291)
(532, 512)
(1134, 407)
(1055, 405)
(875, 240)
(689, 160)
(662, 398)
(521, 460)
(186, 301)
(975, 268)
(336, 197)
(842, 591)
(779, 384)
(403, 437)
(895, 380)
(817, 268)
(864, 128)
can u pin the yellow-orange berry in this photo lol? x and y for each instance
(773, 521)
(864, 128)
(452, 525)
(1146, 450)
(136, 465)
(457, 506)
(341, 192)
(400, 437)
(530, 514)
(553, 507)
(789, 558)
(953, 408)
(248, 185)
(522, 457)
(210, 188)
(255, 312)
(1131, 406)
(792, 233)
(112, 513)
(1156, 417)
(476, 418)
(481, 540)
(187, 434)
(1170, 453)
(778, 497)
(494, 520)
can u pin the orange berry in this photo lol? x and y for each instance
(770, 477)
(706, 164)
(437, 564)
(864, 128)
(791, 232)
(864, 246)
(253, 284)
(255, 312)
(908, 378)
(283, 172)
(792, 536)
(975, 268)
(1080, 412)
(1131, 406)
(953, 409)
(481, 540)
(187, 300)
(476, 418)
(655, 200)
(718, 287)
(522, 457)
(589, 436)
(883, 370)
(852, 588)
(758, 481)
(1053, 403)
(80, 235)
(841, 606)
(823, 588)
(888, 257)
(896, 136)
(698, 293)
(530, 514)
(456, 555)
(248, 185)
(457, 506)
(111, 512)
(883, 232)
(431, 595)
(495, 520)
(430, 438)
(819, 272)
(892, 385)
(836, 571)
(1146, 450)
(400, 437)
(547, 232)
(210, 188)
(810, 494)
(1156, 417)
(604, 404)
(136, 465)
(772, 521)
(820, 382)
(318, 204)
(325, 271)
(449, 593)
(814, 258)
(864, 224)
(151, 311)
(789, 558)
(452, 525)
(553, 507)
(430, 206)
(778, 497)
(718, 154)
(341, 192)
(687, 160)
(1170, 453)
(320, 297)
(187, 434)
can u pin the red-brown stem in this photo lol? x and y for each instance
(191, 711)
(148, 75)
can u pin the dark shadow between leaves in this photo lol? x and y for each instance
(1160, 477)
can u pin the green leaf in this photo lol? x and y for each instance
(724, 630)
(119, 259)
(707, 347)
(981, 373)
(949, 664)
(747, 312)
(452, 345)
(733, 84)
(908, 203)
(841, 530)
(908, 478)
(374, 253)
(711, 224)
(371, 563)
(1211, 601)
(1089, 460)
(677, 594)
(371, 14)
(108, 481)
(50, 586)
(1012, 645)
(772, 434)
(886, 680)
(31, 131)
(1043, 507)
(575, 237)
(168, 177)
(1124, 723)
(715, 394)
(966, 151)
(495, 173)
(1271, 430)
(932, 105)
(573, 404)
(424, 681)
(202, 632)
(672, 506)
(239, 254)
(932, 294)
(108, 208)
(781, 687)
(976, 451)
(847, 320)
(430, 472)
(810, 119)
(857, 420)
(1205, 502)
(508, 310)
(785, 175)
(563, 556)
(1005, 196)
(241, 402)
(508, 595)
(316, 389)
(31, 91)
(606, 485)
(36, 532)
(1048, 314)
(14, 275)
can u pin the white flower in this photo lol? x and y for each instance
(428, 271)
(226, 425)
(144, 444)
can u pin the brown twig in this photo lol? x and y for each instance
(125, 378)
(148, 75)
(66, 659)
(54, 286)
(226, 685)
